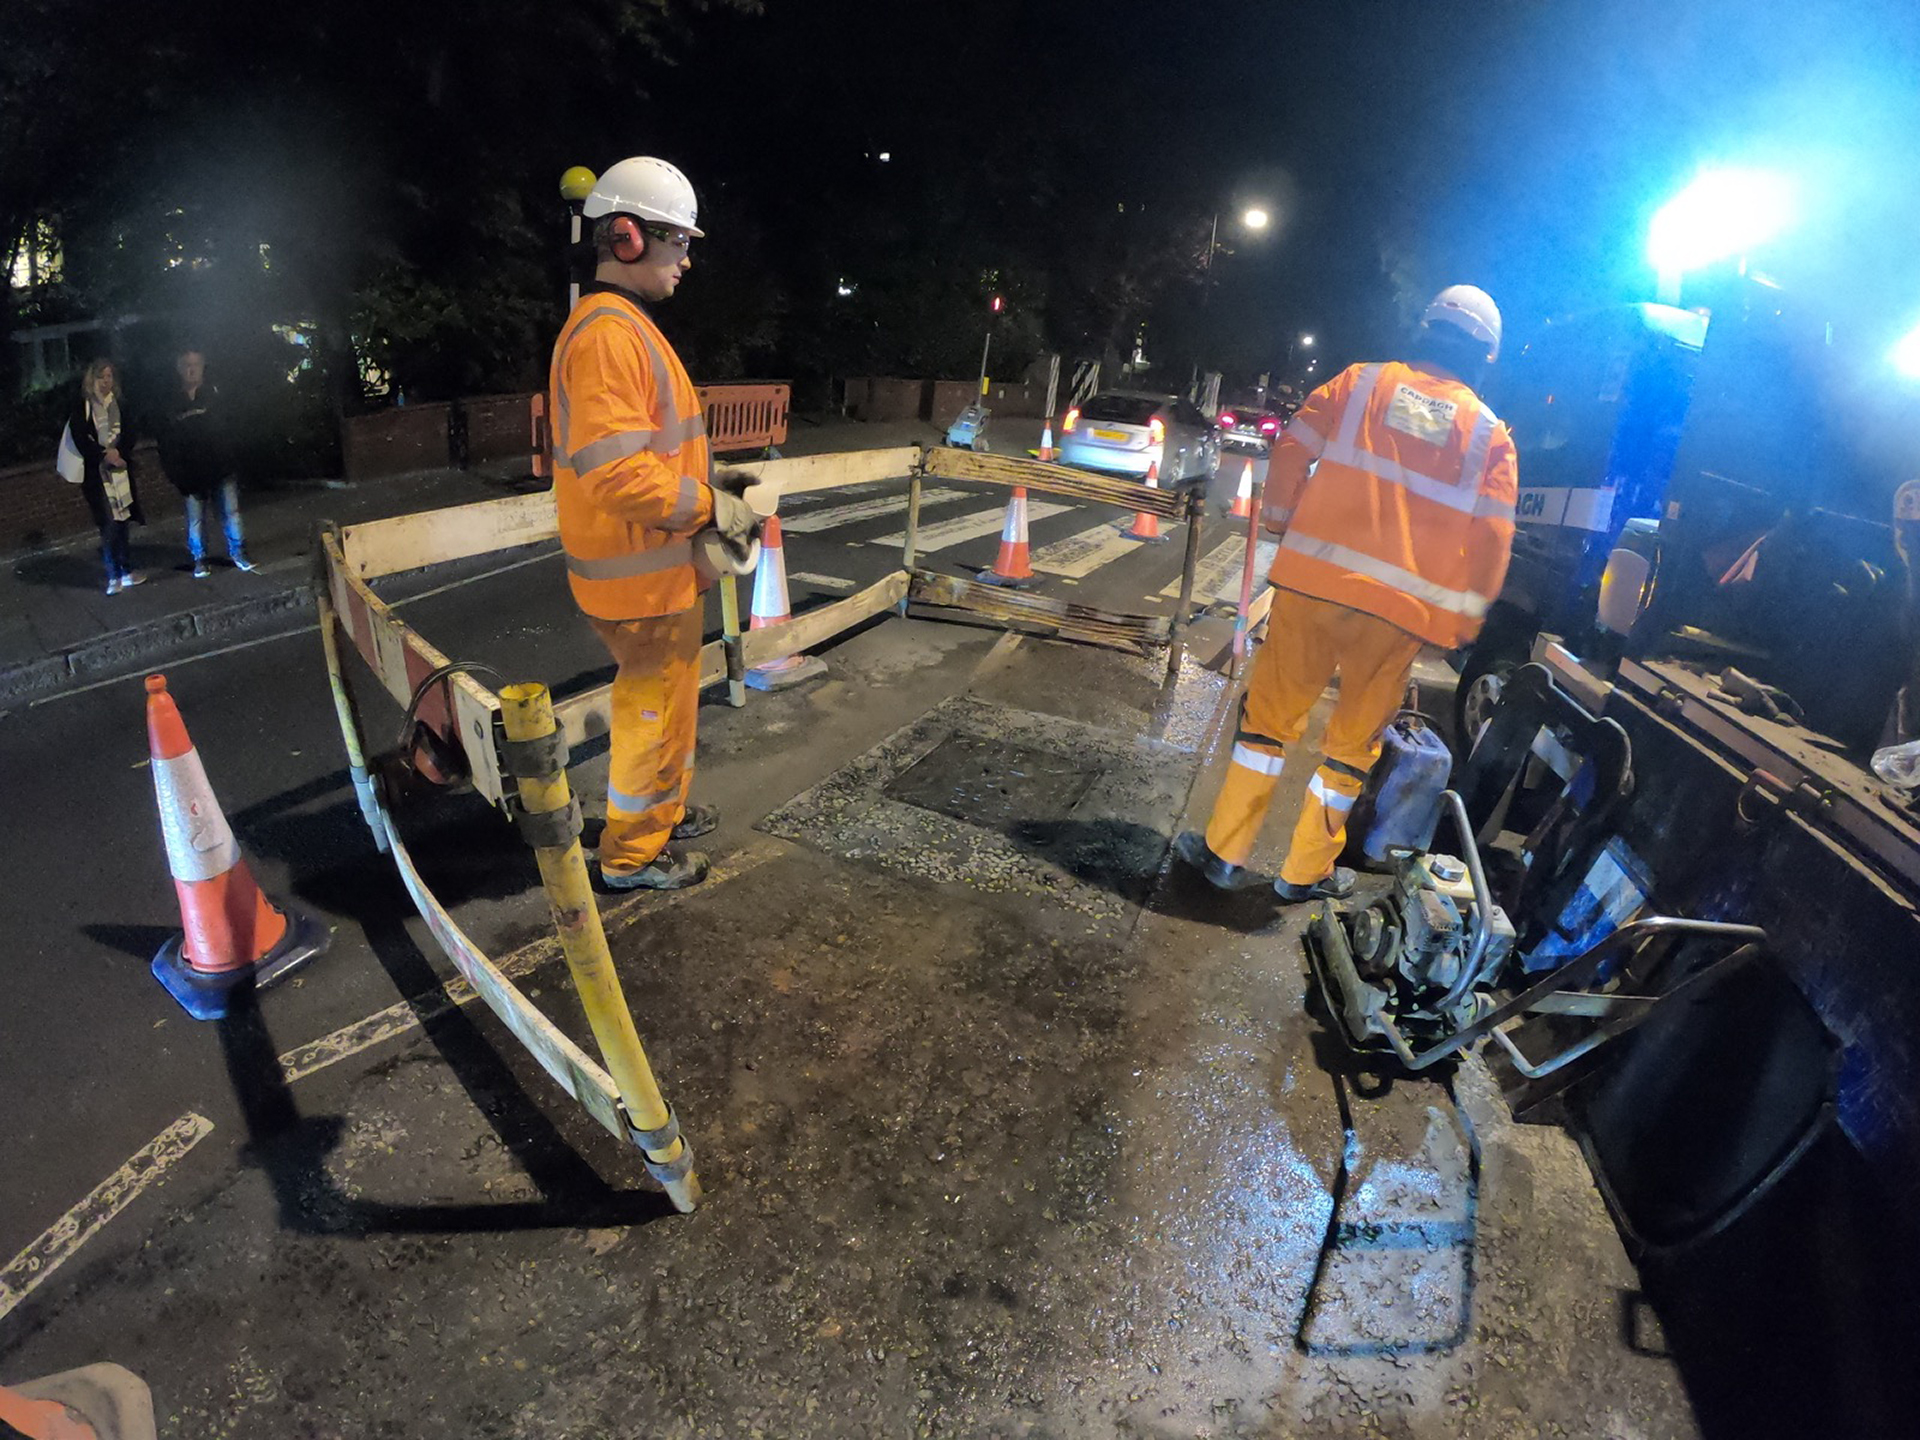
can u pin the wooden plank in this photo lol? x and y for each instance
(455, 532)
(397, 653)
(1137, 634)
(816, 627)
(803, 474)
(1050, 479)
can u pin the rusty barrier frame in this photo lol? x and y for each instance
(459, 724)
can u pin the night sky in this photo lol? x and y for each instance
(1517, 144)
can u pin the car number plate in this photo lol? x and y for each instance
(1111, 435)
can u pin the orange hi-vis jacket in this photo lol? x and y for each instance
(630, 461)
(1393, 491)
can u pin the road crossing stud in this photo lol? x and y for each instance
(771, 607)
(550, 818)
(1014, 566)
(1146, 525)
(1242, 507)
(232, 936)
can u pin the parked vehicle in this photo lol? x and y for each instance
(1250, 429)
(1124, 432)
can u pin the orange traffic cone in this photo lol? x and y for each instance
(1014, 567)
(1242, 507)
(1146, 525)
(1046, 441)
(232, 936)
(770, 607)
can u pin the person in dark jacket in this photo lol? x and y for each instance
(105, 441)
(193, 451)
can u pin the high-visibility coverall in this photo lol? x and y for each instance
(1393, 492)
(630, 482)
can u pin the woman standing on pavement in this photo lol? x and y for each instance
(105, 442)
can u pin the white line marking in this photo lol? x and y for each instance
(1217, 577)
(1078, 556)
(34, 1265)
(289, 634)
(815, 521)
(405, 1015)
(821, 582)
(958, 531)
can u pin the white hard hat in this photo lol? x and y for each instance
(1468, 308)
(649, 188)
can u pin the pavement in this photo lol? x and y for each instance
(59, 629)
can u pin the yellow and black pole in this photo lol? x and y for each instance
(575, 185)
(549, 817)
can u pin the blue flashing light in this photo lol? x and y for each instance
(1906, 355)
(1723, 213)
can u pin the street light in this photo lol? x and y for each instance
(1252, 218)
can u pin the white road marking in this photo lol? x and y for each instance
(399, 1018)
(961, 529)
(32, 1267)
(814, 521)
(1217, 578)
(1078, 556)
(821, 582)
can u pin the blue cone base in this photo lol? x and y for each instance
(812, 667)
(208, 996)
(994, 577)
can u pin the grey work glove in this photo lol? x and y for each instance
(734, 482)
(733, 517)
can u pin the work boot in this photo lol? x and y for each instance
(695, 821)
(241, 562)
(671, 869)
(1191, 846)
(1336, 886)
(201, 570)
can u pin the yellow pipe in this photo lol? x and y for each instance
(527, 711)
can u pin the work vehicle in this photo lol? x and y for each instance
(1127, 432)
(1695, 467)
(1249, 428)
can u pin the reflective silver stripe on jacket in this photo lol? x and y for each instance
(687, 506)
(1310, 438)
(675, 429)
(1345, 450)
(625, 567)
(1467, 603)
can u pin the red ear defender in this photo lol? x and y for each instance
(626, 240)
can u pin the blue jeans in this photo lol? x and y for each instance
(225, 497)
(114, 548)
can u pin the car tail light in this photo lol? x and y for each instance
(1227, 422)
(1072, 419)
(1269, 427)
(1156, 430)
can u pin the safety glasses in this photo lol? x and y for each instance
(668, 236)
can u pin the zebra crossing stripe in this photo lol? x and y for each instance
(1078, 556)
(963, 528)
(811, 522)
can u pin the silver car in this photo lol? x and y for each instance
(1124, 432)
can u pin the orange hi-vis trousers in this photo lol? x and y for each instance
(1307, 641)
(656, 703)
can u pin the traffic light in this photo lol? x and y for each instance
(999, 303)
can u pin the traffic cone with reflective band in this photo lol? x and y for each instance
(231, 934)
(1146, 525)
(770, 607)
(1014, 567)
(1242, 507)
(1046, 441)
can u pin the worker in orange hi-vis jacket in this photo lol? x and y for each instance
(1393, 493)
(633, 485)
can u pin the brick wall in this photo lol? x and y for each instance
(950, 397)
(878, 398)
(497, 427)
(397, 441)
(38, 508)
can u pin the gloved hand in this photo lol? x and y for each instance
(733, 517)
(733, 481)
